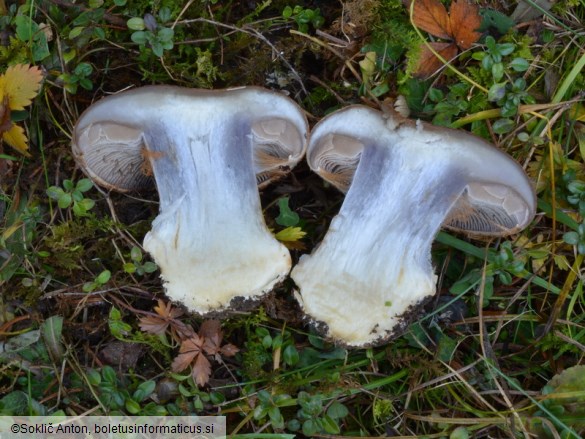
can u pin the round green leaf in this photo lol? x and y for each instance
(64, 200)
(132, 406)
(135, 23)
(104, 277)
(337, 410)
(75, 32)
(84, 185)
(139, 37)
(290, 355)
(519, 64)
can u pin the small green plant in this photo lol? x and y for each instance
(136, 266)
(313, 418)
(28, 31)
(79, 77)
(576, 196)
(269, 406)
(492, 59)
(304, 18)
(100, 280)
(511, 92)
(503, 267)
(447, 106)
(71, 195)
(148, 32)
(120, 395)
(289, 219)
(576, 238)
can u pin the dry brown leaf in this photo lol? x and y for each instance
(188, 351)
(229, 350)
(166, 316)
(21, 84)
(5, 122)
(201, 370)
(193, 351)
(153, 324)
(459, 26)
(431, 16)
(428, 63)
(211, 331)
(465, 20)
(209, 328)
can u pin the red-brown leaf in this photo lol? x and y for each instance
(153, 324)
(465, 20)
(210, 328)
(201, 370)
(431, 16)
(165, 316)
(428, 63)
(189, 349)
(167, 311)
(229, 350)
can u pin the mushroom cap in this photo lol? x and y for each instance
(108, 139)
(498, 199)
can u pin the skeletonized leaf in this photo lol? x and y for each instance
(431, 16)
(16, 138)
(21, 83)
(428, 63)
(201, 370)
(465, 20)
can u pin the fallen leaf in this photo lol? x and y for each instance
(229, 350)
(431, 16)
(193, 351)
(211, 331)
(5, 122)
(209, 328)
(21, 84)
(459, 26)
(464, 20)
(201, 370)
(166, 316)
(290, 234)
(428, 63)
(16, 138)
(188, 351)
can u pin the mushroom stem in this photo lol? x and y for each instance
(210, 235)
(380, 244)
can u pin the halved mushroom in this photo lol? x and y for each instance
(403, 179)
(206, 150)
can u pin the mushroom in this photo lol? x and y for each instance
(404, 180)
(207, 151)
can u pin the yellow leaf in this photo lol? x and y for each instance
(21, 84)
(16, 138)
(561, 262)
(290, 234)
